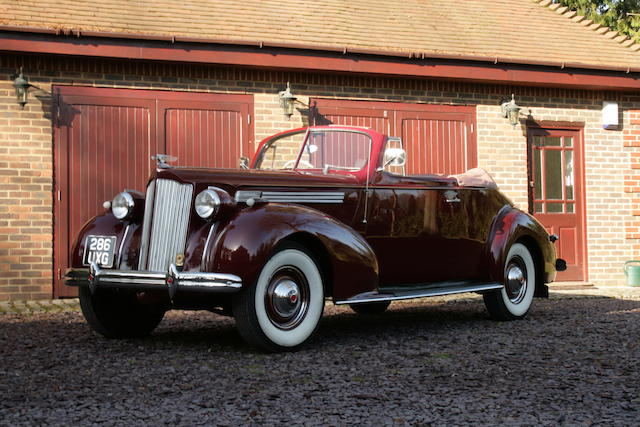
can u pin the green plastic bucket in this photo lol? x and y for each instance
(632, 271)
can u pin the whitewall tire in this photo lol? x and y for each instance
(515, 299)
(282, 311)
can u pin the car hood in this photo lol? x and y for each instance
(231, 179)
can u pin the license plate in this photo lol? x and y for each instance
(99, 249)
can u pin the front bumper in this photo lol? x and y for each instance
(173, 281)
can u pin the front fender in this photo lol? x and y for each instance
(245, 243)
(510, 226)
(127, 234)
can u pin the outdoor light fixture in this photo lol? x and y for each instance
(609, 114)
(287, 100)
(511, 110)
(21, 86)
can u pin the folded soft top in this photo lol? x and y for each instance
(476, 177)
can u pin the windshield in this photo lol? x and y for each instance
(324, 149)
(281, 152)
(335, 149)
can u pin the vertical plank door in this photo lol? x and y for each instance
(103, 143)
(556, 193)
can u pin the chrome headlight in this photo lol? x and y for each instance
(207, 203)
(122, 205)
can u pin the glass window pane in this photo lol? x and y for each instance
(552, 141)
(568, 174)
(339, 150)
(537, 177)
(538, 207)
(554, 207)
(570, 208)
(553, 174)
(537, 141)
(282, 152)
(568, 141)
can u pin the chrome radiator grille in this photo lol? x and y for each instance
(164, 229)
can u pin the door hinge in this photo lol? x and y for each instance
(472, 127)
(248, 119)
(59, 274)
(385, 113)
(59, 195)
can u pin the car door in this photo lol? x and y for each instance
(421, 231)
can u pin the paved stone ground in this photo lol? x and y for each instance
(575, 360)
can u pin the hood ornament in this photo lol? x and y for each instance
(162, 159)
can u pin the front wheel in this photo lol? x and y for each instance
(283, 309)
(117, 314)
(514, 300)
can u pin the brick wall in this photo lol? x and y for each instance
(612, 158)
(26, 168)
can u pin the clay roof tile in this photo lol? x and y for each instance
(506, 30)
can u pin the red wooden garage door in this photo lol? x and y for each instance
(104, 139)
(438, 139)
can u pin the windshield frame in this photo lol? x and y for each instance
(266, 145)
(325, 169)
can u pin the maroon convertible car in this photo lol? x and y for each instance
(321, 212)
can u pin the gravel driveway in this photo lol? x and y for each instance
(573, 361)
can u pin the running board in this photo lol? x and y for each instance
(421, 293)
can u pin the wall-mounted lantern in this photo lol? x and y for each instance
(511, 110)
(21, 85)
(287, 100)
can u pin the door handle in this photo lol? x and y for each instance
(451, 196)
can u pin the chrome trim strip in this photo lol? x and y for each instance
(207, 242)
(291, 196)
(146, 226)
(124, 238)
(243, 195)
(108, 279)
(375, 296)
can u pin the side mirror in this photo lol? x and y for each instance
(244, 162)
(394, 157)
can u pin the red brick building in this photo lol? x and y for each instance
(117, 81)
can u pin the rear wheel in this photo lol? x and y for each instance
(514, 300)
(370, 307)
(283, 309)
(117, 314)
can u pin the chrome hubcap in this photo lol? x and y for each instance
(286, 299)
(516, 280)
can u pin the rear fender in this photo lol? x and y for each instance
(512, 226)
(246, 242)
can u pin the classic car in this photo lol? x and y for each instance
(324, 212)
